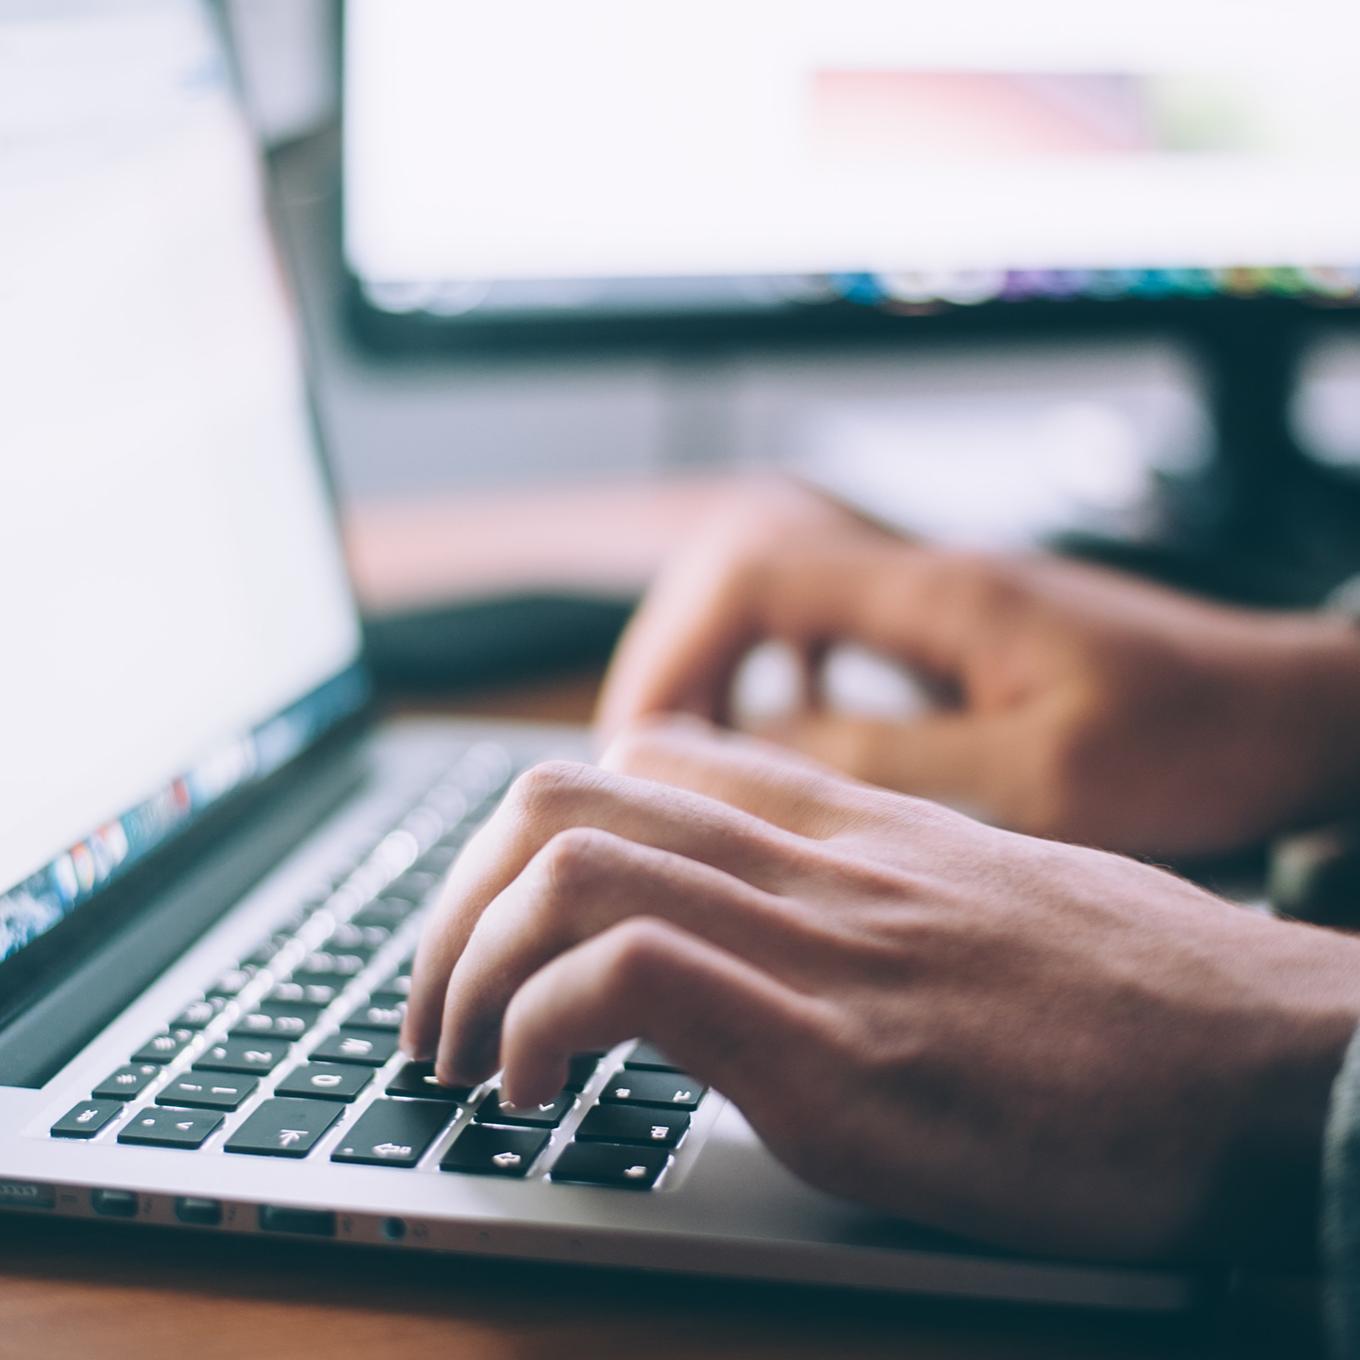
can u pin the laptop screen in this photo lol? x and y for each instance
(174, 604)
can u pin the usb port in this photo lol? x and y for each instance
(314, 1222)
(205, 1213)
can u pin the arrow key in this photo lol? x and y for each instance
(284, 1128)
(394, 1132)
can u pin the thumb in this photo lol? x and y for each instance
(953, 758)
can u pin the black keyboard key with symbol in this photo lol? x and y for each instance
(208, 1090)
(662, 1090)
(127, 1081)
(170, 1128)
(479, 1151)
(417, 1079)
(394, 1132)
(325, 1081)
(305, 993)
(371, 1015)
(493, 1110)
(199, 1013)
(633, 1125)
(278, 1019)
(284, 1128)
(86, 1119)
(160, 1048)
(369, 1048)
(244, 1055)
(626, 1168)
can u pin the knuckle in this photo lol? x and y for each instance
(638, 951)
(546, 785)
(572, 862)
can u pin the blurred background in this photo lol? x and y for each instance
(1061, 274)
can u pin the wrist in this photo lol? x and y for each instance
(1311, 690)
(1268, 1201)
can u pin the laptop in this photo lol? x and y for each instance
(214, 859)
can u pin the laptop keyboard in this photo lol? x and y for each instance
(299, 1039)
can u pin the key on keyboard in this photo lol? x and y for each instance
(394, 1132)
(493, 1110)
(325, 1081)
(127, 1081)
(86, 1119)
(284, 1128)
(664, 1090)
(627, 1168)
(207, 1090)
(480, 1151)
(417, 1079)
(244, 1055)
(627, 1124)
(370, 1048)
(170, 1128)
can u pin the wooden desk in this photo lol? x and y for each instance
(82, 1291)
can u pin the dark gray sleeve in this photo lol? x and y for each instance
(1341, 1207)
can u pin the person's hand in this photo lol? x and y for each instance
(1077, 703)
(1034, 1044)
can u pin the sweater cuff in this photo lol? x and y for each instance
(1340, 1228)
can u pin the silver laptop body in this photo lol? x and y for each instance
(213, 864)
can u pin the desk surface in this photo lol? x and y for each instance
(81, 1291)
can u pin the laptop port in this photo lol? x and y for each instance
(204, 1213)
(313, 1222)
(26, 1195)
(114, 1203)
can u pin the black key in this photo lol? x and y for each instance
(394, 1132)
(648, 1058)
(231, 982)
(387, 912)
(160, 1048)
(663, 1090)
(207, 1090)
(278, 1019)
(86, 1119)
(199, 1013)
(171, 1128)
(481, 1151)
(493, 1110)
(580, 1069)
(370, 1016)
(127, 1081)
(284, 1128)
(417, 1079)
(244, 1055)
(293, 993)
(369, 1048)
(631, 1124)
(628, 1168)
(325, 1081)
